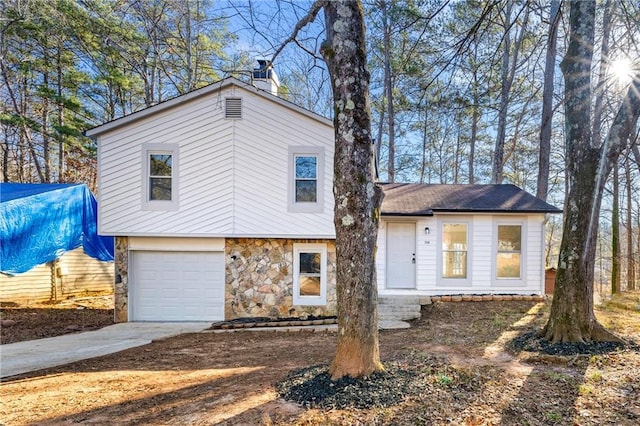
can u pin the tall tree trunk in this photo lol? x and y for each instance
(61, 141)
(423, 167)
(357, 196)
(498, 152)
(475, 119)
(615, 234)
(572, 317)
(542, 189)
(507, 74)
(631, 267)
(601, 84)
(388, 88)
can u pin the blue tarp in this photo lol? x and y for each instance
(40, 222)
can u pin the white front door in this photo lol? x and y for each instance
(401, 255)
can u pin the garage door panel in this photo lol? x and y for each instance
(177, 286)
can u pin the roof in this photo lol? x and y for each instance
(420, 199)
(40, 222)
(203, 91)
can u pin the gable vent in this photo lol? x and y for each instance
(233, 108)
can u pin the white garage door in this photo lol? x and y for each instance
(176, 286)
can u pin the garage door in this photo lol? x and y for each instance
(176, 286)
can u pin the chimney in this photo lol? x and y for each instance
(265, 78)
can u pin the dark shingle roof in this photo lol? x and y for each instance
(419, 199)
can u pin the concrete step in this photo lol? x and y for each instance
(404, 300)
(397, 316)
(400, 308)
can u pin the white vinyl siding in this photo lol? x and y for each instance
(261, 173)
(481, 267)
(233, 176)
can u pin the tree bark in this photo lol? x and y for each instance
(572, 318)
(507, 74)
(615, 234)
(388, 89)
(631, 267)
(357, 198)
(542, 189)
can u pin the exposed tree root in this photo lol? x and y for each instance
(559, 332)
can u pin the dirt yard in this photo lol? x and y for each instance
(36, 321)
(229, 378)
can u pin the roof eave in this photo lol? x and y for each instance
(94, 132)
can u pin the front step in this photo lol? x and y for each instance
(398, 308)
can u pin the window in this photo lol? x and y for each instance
(160, 175)
(454, 250)
(306, 179)
(160, 169)
(309, 274)
(509, 252)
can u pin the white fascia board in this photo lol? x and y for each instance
(187, 97)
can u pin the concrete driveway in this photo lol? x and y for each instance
(24, 357)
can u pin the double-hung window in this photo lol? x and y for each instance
(509, 251)
(309, 274)
(306, 179)
(160, 175)
(454, 250)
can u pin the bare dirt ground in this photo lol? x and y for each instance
(39, 320)
(229, 378)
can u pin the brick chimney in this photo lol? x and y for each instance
(265, 78)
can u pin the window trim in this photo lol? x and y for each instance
(455, 282)
(497, 281)
(165, 149)
(298, 299)
(306, 207)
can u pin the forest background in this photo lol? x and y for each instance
(457, 88)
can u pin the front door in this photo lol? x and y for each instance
(401, 255)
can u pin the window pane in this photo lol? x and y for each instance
(509, 237)
(508, 265)
(454, 236)
(306, 191)
(160, 165)
(309, 286)
(310, 263)
(306, 167)
(160, 189)
(454, 264)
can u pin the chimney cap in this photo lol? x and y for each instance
(263, 71)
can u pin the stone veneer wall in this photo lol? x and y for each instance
(121, 288)
(259, 279)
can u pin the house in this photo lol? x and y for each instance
(222, 206)
(50, 247)
(461, 239)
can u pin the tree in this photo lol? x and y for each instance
(508, 70)
(615, 233)
(542, 187)
(572, 317)
(357, 197)
(631, 269)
